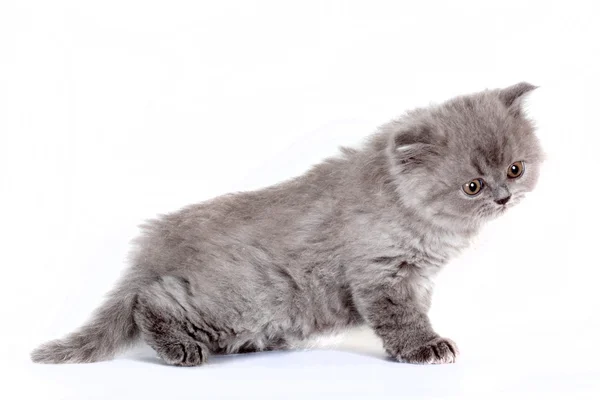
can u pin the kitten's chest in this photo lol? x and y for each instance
(390, 237)
(429, 249)
(437, 249)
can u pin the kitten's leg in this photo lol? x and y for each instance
(165, 336)
(163, 316)
(271, 345)
(407, 334)
(397, 311)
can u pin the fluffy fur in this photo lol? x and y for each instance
(355, 240)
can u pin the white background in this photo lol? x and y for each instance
(114, 111)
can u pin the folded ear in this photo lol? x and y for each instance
(512, 96)
(414, 145)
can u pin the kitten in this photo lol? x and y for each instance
(356, 240)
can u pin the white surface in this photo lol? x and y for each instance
(503, 365)
(114, 111)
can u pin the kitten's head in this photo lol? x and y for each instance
(467, 160)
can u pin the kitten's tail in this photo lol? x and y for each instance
(111, 328)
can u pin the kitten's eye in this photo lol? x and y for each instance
(473, 187)
(516, 169)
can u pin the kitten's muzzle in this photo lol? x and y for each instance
(503, 200)
(501, 195)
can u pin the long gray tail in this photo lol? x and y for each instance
(111, 329)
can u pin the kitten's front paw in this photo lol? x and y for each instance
(437, 351)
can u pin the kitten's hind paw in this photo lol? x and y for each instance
(185, 354)
(437, 351)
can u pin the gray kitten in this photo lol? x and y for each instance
(356, 240)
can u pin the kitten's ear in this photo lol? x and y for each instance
(414, 145)
(512, 96)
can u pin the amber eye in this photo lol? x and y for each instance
(473, 187)
(516, 169)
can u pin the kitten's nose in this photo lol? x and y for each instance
(503, 200)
